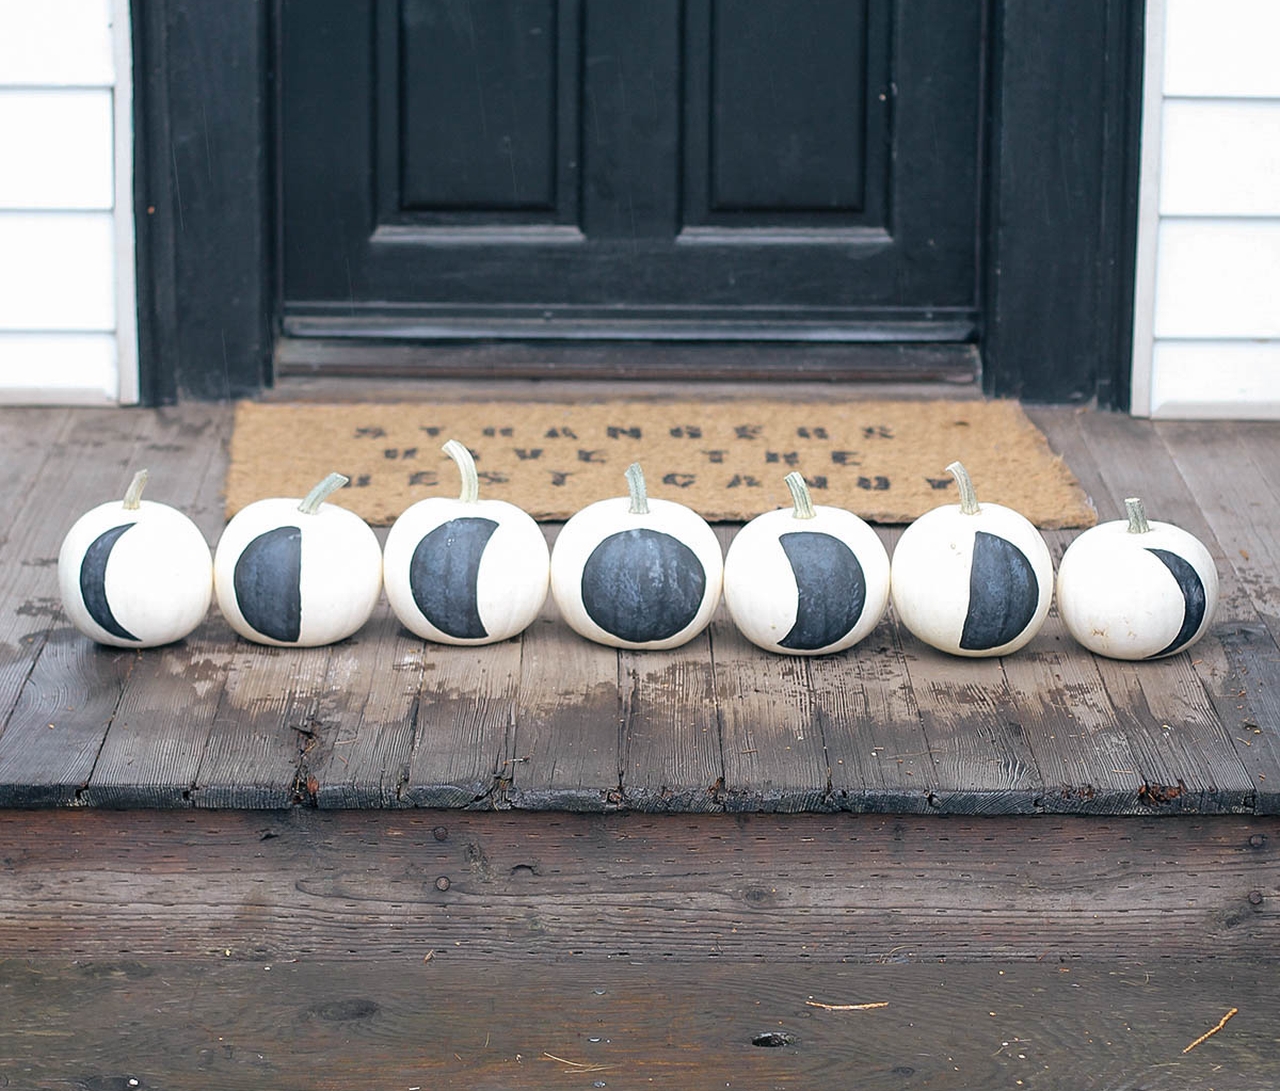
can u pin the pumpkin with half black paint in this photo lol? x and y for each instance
(807, 580)
(1137, 589)
(134, 573)
(465, 571)
(297, 573)
(972, 579)
(636, 572)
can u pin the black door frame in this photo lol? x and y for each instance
(1057, 244)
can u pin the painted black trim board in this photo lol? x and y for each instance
(1060, 211)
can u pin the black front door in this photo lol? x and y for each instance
(707, 169)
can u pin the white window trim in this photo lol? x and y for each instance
(1144, 280)
(129, 388)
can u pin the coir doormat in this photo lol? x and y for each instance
(884, 460)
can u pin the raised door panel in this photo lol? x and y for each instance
(740, 168)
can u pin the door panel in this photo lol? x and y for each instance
(602, 168)
(788, 104)
(477, 105)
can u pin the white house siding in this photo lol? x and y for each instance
(1207, 298)
(1207, 336)
(66, 244)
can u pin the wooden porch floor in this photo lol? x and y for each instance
(551, 722)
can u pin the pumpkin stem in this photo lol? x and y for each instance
(133, 495)
(467, 468)
(1137, 513)
(800, 495)
(968, 498)
(317, 496)
(639, 494)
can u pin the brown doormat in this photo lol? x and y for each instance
(884, 460)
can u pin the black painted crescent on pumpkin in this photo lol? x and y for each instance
(642, 585)
(267, 581)
(443, 573)
(1193, 597)
(1003, 593)
(93, 589)
(831, 589)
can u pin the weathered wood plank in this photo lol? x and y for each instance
(153, 747)
(773, 759)
(354, 885)
(1237, 654)
(158, 729)
(387, 1024)
(49, 673)
(983, 763)
(28, 438)
(369, 709)
(671, 759)
(864, 707)
(568, 718)
(1185, 751)
(268, 718)
(465, 722)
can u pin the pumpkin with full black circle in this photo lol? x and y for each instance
(134, 573)
(298, 573)
(807, 580)
(636, 572)
(972, 579)
(465, 571)
(1134, 588)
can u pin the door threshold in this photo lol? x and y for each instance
(780, 363)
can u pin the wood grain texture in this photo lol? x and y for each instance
(49, 673)
(864, 707)
(354, 885)
(374, 687)
(568, 721)
(773, 759)
(671, 749)
(144, 760)
(552, 722)
(465, 719)
(403, 1023)
(1236, 661)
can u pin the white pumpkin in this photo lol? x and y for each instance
(632, 572)
(297, 573)
(971, 579)
(806, 581)
(1133, 589)
(134, 573)
(465, 571)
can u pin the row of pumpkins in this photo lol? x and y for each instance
(633, 572)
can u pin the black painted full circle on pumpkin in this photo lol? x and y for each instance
(642, 585)
(443, 573)
(1003, 594)
(93, 580)
(268, 583)
(831, 589)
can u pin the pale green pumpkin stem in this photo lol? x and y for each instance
(639, 494)
(133, 495)
(800, 495)
(317, 496)
(968, 498)
(1137, 513)
(467, 468)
